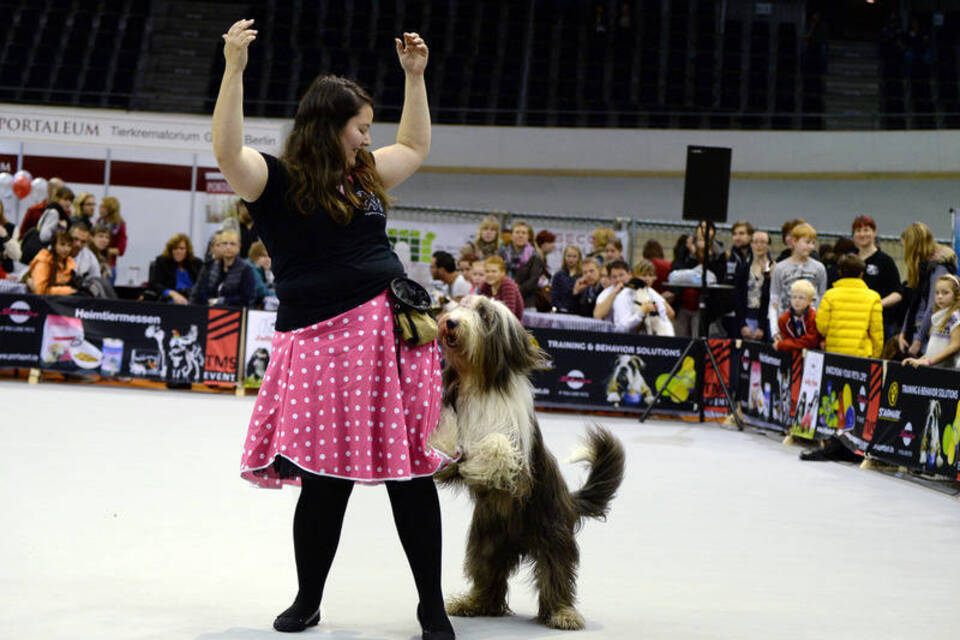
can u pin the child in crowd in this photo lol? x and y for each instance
(499, 286)
(51, 270)
(943, 347)
(799, 266)
(613, 251)
(110, 217)
(564, 279)
(477, 272)
(797, 325)
(850, 316)
(653, 315)
(605, 278)
(99, 243)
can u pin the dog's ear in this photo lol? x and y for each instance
(522, 353)
(451, 386)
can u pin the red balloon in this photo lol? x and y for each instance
(21, 187)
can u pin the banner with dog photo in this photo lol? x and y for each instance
(260, 330)
(613, 371)
(845, 401)
(130, 339)
(918, 423)
(764, 383)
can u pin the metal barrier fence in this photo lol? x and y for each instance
(638, 230)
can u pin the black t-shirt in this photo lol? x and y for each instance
(883, 277)
(321, 268)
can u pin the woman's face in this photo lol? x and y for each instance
(570, 259)
(88, 207)
(104, 210)
(605, 278)
(864, 236)
(760, 243)
(520, 236)
(611, 253)
(493, 274)
(63, 249)
(691, 247)
(102, 240)
(356, 134)
(179, 252)
(489, 234)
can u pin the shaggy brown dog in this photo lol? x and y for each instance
(523, 509)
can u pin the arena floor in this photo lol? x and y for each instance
(124, 517)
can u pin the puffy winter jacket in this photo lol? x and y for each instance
(851, 319)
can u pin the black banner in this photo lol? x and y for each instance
(764, 385)
(845, 401)
(21, 329)
(165, 342)
(918, 425)
(615, 371)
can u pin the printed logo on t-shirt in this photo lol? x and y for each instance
(873, 270)
(371, 204)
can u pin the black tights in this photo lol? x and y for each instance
(316, 533)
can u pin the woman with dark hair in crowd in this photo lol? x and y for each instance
(653, 251)
(9, 245)
(841, 247)
(320, 209)
(881, 274)
(561, 287)
(752, 292)
(56, 216)
(523, 262)
(175, 271)
(687, 300)
(99, 243)
(51, 270)
(926, 261)
(110, 217)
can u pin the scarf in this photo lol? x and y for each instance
(516, 259)
(487, 249)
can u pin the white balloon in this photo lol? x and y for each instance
(38, 186)
(22, 173)
(6, 181)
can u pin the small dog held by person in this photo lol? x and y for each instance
(523, 509)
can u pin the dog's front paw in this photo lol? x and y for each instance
(566, 618)
(470, 606)
(494, 463)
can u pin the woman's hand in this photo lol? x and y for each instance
(914, 348)
(177, 297)
(412, 52)
(236, 41)
(902, 343)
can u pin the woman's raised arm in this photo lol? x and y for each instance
(399, 161)
(243, 167)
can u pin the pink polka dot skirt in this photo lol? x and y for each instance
(343, 398)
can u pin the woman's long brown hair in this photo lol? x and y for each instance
(918, 245)
(314, 157)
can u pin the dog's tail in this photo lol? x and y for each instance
(605, 455)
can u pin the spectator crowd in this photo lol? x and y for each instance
(846, 297)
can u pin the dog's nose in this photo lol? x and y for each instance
(451, 324)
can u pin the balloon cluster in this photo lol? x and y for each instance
(22, 185)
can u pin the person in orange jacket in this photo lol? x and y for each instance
(52, 269)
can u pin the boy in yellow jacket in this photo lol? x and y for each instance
(850, 317)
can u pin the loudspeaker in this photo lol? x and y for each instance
(706, 184)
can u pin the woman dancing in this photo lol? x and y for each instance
(342, 401)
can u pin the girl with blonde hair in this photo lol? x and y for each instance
(561, 287)
(110, 217)
(943, 348)
(84, 206)
(488, 237)
(926, 261)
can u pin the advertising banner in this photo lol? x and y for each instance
(260, 330)
(114, 338)
(620, 372)
(21, 329)
(918, 424)
(223, 345)
(764, 389)
(714, 400)
(845, 401)
(804, 423)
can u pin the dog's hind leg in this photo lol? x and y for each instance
(491, 558)
(555, 569)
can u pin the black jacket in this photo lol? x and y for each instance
(163, 275)
(235, 288)
(740, 282)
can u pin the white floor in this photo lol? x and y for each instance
(124, 517)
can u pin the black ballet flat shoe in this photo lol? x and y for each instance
(293, 624)
(435, 634)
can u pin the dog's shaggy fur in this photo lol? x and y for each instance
(523, 509)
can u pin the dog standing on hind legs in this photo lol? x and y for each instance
(523, 508)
